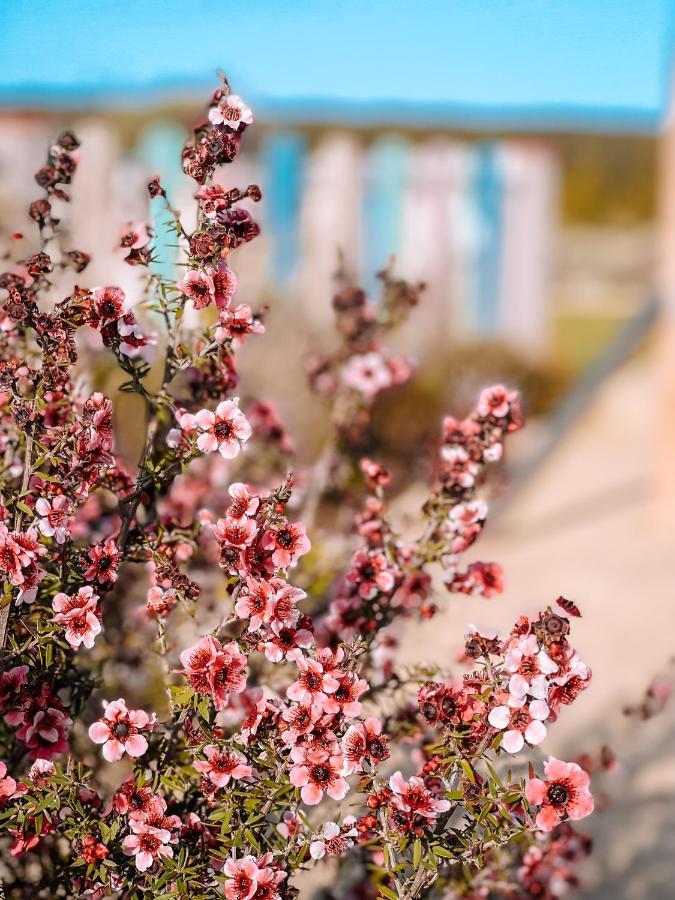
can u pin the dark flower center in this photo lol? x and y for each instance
(449, 706)
(121, 729)
(429, 712)
(558, 794)
(148, 843)
(285, 637)
(313, 681)
(376, 748)
(321, 774)
(554, 624)
(224, 430)
(285, 538)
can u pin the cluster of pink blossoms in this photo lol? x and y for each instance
(20, 552)
(118, 326)
(541, 671)
(291, 699)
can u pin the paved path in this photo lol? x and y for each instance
(585, 527)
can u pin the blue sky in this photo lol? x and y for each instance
(571, 57)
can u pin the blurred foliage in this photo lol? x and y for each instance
(407, 419)
(608, 180)
(580, 337)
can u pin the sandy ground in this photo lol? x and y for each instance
(585, 527)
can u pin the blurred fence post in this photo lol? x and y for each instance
(663, 488)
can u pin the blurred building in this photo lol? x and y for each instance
(510, 227)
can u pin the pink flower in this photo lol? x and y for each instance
(45, 731)
(563, 795)
(244, 503)
(7, 784)
(370, 573)
(520, 724)
(105, 558)
(137, 800)
(345, 699)
(530, 667)
(333, 840)
(413, 804)
(234, 538)
(226, 430)
(199, 287)
(232, 112)
(214, 198)
(135, 235)
(315, 778)
(313, 682)
(160, 602)
(289, 542)
(225, 283)
(147, 844)
(222, 765)
(11, 683)
(54, 517)
(364, 742)
(253, 707)
(285, 599)
(96, 427)
(79, 616)
(497, 402)
(290, 825)
(211, 668)
(19, 553)
(108, 305)
(242, 874)
(368, 374)
(285, 642)
(237, 323)
(119, 730)
(135, 343)
(459, 464)
(40, 772)
(235, 532)
(256, 603)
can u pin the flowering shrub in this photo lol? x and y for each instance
(262, 727)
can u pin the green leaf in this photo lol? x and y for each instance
(441, 851)
(251, 838)
(417, 853)
(386, 892)
(468, 771)
(204, 707)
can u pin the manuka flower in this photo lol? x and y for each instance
(222, 765)
(104, 560)
(79, 616)
(119, 730)
(53, 517)
(226, 430)
(564, 794)
(232, 112)
(214, 669)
